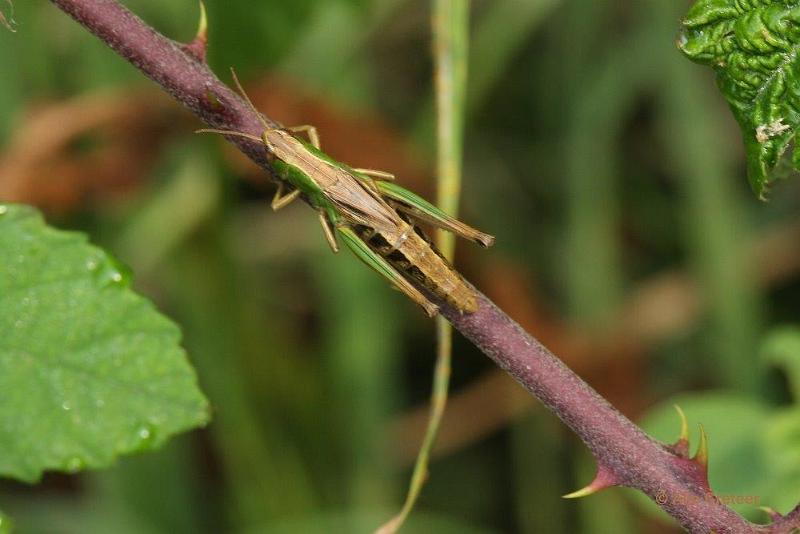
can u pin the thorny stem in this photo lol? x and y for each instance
(621, 449)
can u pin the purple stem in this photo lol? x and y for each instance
(621, 449)
(625, 455)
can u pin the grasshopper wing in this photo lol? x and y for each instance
(361, 204)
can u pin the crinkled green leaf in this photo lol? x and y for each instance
(782, 349)
(88, 369)
(753, 47)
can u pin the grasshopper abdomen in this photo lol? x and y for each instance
(411, 253)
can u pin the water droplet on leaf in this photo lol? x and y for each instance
(146, 434)
(109, 271)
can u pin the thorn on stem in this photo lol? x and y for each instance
(701, 456)
(681, 447)
(695, 467)
(197, 46)
(602, 480)
(773, 515)
(202, 27)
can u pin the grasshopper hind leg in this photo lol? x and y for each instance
(420, 209)
(379, 264)
(378, 175)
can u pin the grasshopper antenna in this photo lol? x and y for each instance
(229, 132)
(252, 107)
(249, 102)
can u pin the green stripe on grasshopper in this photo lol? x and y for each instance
(421, 209)
(380, 265)
(305, 183)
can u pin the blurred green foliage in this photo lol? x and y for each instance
(596, 154)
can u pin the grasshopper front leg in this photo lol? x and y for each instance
(310, 131)
(379, 264)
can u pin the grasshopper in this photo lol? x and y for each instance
(375, 218)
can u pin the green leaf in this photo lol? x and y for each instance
(753, 47)
(782, 348)
(88, 369)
